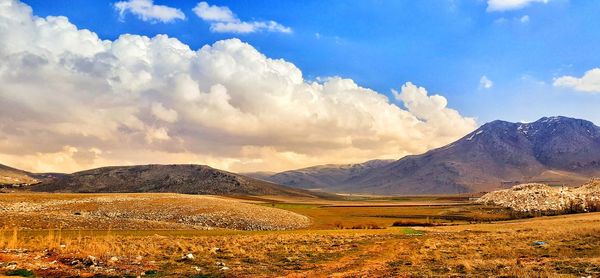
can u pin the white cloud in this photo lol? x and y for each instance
(485, 82)
(223, 20)
(248, 27)
(214, 13)
(505, 5)
(147, 11)
(162, 113)
(432, 110)
(589, 82)
(70, 101)
(518, 20)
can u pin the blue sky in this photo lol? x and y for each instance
(380, 79)
(445, 46)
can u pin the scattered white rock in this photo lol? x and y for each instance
(92, 259)
(535, 197)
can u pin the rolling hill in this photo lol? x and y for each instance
(499, 154)
(12, 176)
(189, 179)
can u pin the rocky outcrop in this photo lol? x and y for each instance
(534, 197)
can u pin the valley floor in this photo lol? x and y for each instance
(555, 246)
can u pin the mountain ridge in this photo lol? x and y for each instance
(318, 176)
(497, 154)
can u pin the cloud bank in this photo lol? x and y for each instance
(223, 20)
(71, 101)
(589, 82)
(147, 11)
(506, 5)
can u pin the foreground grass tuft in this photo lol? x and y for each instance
(20, 273)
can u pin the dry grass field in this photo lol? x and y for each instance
(140, 212)
(343, 239)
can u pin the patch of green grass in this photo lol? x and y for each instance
(411, 232)
(151, 273)
(20, 273)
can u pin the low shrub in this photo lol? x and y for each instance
(409, 223)
(369, 226)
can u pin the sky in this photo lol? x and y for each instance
(277, 85)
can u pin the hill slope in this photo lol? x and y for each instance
(498, 154)
(12, 176)
(190, 179)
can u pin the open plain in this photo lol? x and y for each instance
(116, 235)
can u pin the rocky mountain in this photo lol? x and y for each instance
(499, 154)
(190, 179)
(15, 177)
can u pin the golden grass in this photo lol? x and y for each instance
(326, 216)
(140, 211)
(502, 249)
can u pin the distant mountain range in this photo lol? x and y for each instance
(497, 155)
(190, 179)
(328, 176)
(555, 150)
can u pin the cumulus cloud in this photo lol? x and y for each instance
(485, 82)
(147, 11)
(162, 113)
(505, 5)
(70, 101)
(589, 82)
(432, 110)
(214, 13)
(223, 20)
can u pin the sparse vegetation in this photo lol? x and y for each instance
(504, 249)
(346, 241)
(20, 273)
(409, 223)
(140, 212)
